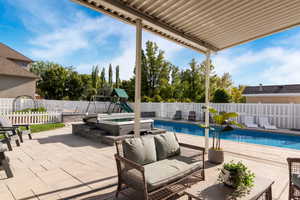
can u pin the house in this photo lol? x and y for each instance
(15, 78)
(272, 94)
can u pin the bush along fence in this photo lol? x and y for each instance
(33, 117)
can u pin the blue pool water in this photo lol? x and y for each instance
(249, 136)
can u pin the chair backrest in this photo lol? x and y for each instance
(192, 113)
(178, 112)
(4, 122)
(263, 121)
(249, 119)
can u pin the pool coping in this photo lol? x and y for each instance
(275, 131)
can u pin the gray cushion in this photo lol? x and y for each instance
(166, 145)
(141, 149)
(162, 172)
(4, 122)
(296, 179)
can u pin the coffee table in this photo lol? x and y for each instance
(210, 189)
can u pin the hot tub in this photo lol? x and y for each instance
(118, 124)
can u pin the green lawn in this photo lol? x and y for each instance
(44, 127)
(41, 127)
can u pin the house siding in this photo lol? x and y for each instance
(273, 99)
(13, 86)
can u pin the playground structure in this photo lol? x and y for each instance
(118, 102)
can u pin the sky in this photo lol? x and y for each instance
(72, 35)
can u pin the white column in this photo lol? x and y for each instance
(138, 61)
(207, 74)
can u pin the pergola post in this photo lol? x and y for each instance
(207, 74)
(138, 61)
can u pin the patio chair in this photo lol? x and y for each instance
(157, 167)
(249, 122)
(178, 115)
(192, 116)
(13, 130)
(294, 178)
(264, 123)
(4, 162)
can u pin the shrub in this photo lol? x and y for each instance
(221, 96)
(28, 110)
(157, 98)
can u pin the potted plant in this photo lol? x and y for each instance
(238, 177)
(223, 122)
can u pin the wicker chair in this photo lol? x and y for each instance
(178, 115)
(4, 162)
(294, 178)
(12, 130)
(176, 183)
(192, 116)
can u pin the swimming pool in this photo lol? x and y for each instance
(249, 136)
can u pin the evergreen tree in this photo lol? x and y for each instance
(102, 78)
(95, 77)
(117, 76)
(110, 76)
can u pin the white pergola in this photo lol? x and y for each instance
(206, 26)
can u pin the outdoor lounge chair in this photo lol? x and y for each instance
(192, 116)
(264, 123)
(4, 162)
(249, 122)
(294, 178)
(157, 167)
(178, 115)
(11, 131)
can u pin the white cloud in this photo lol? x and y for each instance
(272, 65)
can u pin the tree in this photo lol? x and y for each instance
(224, 81)
(117, 76)
(52, 84)
(74, 86)
(110, 76)
(237, 94)
(102, 78)
(40, 67)
(95, 77)
(155, 70)
(221, 96)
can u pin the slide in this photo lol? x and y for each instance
(126, 107)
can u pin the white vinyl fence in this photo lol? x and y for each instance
(6, 105)
(33, 117)
(281, 115)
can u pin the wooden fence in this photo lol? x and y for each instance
(33, 117)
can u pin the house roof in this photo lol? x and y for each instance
(204, 24)
(10, 68)
(7, 52)
(272, 89)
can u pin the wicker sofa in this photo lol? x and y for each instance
(158, 166)
(294, 178)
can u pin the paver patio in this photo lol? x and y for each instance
(59, 165)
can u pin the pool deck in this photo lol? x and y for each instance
(59, 165)
(279, 130)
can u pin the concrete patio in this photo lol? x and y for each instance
(58, 165)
